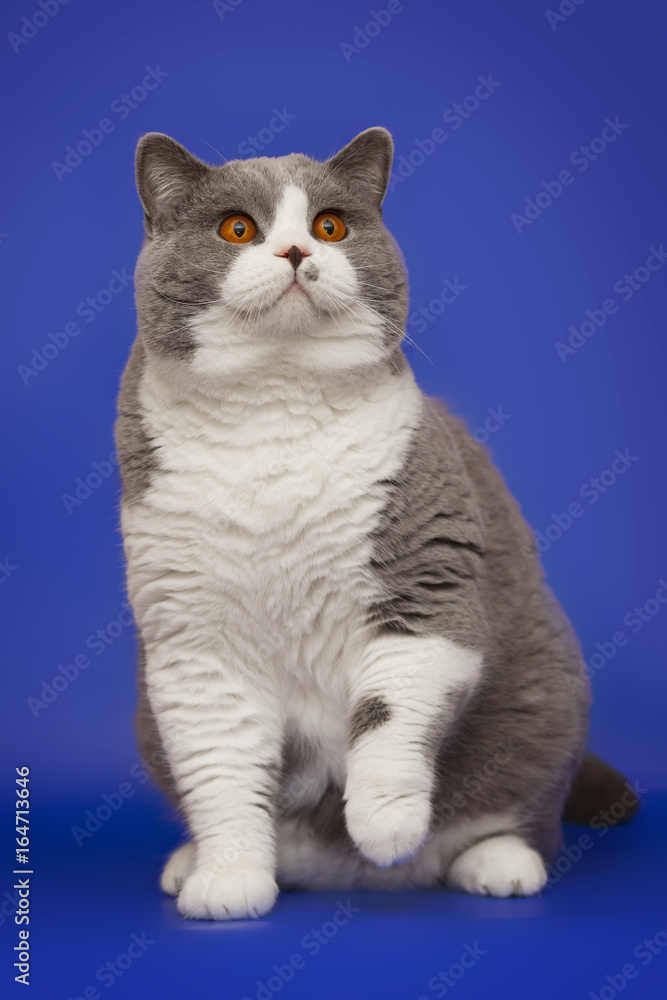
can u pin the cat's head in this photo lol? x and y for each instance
(268, 264)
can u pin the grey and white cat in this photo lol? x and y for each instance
(352, 672)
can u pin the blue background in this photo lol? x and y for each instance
(493, 347)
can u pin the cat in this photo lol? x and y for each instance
(352, 672)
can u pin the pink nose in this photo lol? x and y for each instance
(294, 255)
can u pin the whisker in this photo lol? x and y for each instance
(184, 302)
(191, 263)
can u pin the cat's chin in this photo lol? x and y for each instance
(293, 311)
(294, 292)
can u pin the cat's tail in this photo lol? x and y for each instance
(599, 792)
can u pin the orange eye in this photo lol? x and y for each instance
(238, 229)
(329, 226)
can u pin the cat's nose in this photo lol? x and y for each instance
(294, 255)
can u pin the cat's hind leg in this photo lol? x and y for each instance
(503, 865)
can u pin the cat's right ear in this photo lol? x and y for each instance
(166, 173)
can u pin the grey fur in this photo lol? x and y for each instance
(136, 454)
(452, 554)
(153, 755)
(429, 545)
(183, 257)
(368, 715)
(456, 558)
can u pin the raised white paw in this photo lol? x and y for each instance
(228, 895)
(177, 868)
(499, 866)
(388, 828)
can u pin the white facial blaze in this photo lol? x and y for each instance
(270, 316)
(291, 225)
(260, 276)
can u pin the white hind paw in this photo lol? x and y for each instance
(499, 866)
(177, 869)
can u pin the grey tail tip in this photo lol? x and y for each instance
(598, 787)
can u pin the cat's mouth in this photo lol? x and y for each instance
(294, 291)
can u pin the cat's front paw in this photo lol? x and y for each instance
(229, 895)
(177, 868)
(388, 827)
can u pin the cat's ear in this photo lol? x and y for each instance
(166, 173)
(366, 162)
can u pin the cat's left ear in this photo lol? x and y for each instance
(166, 174)
(366, 162)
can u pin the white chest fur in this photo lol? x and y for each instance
(253, 538)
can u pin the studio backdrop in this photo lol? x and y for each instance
(528, 196)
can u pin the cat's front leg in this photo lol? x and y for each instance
(222, 741)
(406, 692)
